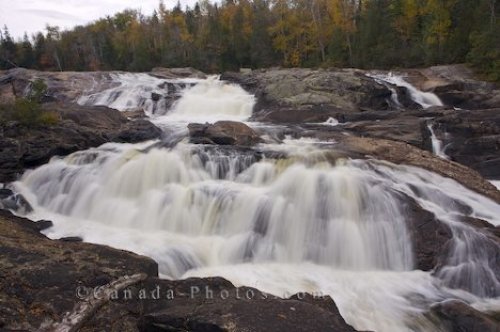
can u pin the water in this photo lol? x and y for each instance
(496, 183)
(132, 91)
(437, 144)
(424, 99)
(283, 225)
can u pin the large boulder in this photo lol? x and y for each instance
(223, 133)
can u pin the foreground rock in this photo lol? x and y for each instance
(79, 128)
(459, 316)
(223, 133)
(52, 285)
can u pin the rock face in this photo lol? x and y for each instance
(472, 138)
(457, 85)
(459, 316)
(223, 133)
(45, 281)
(79, 128)
(322, 92)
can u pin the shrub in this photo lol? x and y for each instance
(28, 111)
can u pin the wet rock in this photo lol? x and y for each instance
(71, 239)
(458, 316)
(223, 133)
(42, 225)
(10, 200)
(472, 138)
(429, 236)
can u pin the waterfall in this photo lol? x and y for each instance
(132, 91)
(207, 212)
(282, 217)
(201, 100)
(437, 144)
(424, 99)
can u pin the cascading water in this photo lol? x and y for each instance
(134, 91)
(424, 99)
(437, 144)
(282, 225)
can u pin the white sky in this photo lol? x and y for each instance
(32, 15)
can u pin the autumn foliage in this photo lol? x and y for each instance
(217, 36)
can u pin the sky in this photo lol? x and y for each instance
(32, 15)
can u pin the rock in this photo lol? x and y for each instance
(430, 237)
(16, 202)
(254, 311)
(71, 239)
(223, 133)
(137, 131)
(42, 225)
(80, 127)
(134, 114)
(472, 138)
(278, 90)
(458, 316)
(297, 116)
(170, 73)
(402, 153)
(40, 277)
(45, 282)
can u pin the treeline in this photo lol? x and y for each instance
(260, 33)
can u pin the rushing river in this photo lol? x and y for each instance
(282, 225)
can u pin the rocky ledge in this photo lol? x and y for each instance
(78, 128)
(468, 124)
(53, 285)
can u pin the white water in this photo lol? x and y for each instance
(331, 122)
(200, 213)
(437, 144)
(132, 91)
(283, 226)
(496, 183)
(424, 99)
(199, 100)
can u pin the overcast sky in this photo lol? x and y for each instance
(32, 15)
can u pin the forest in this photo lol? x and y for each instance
(231, 34)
